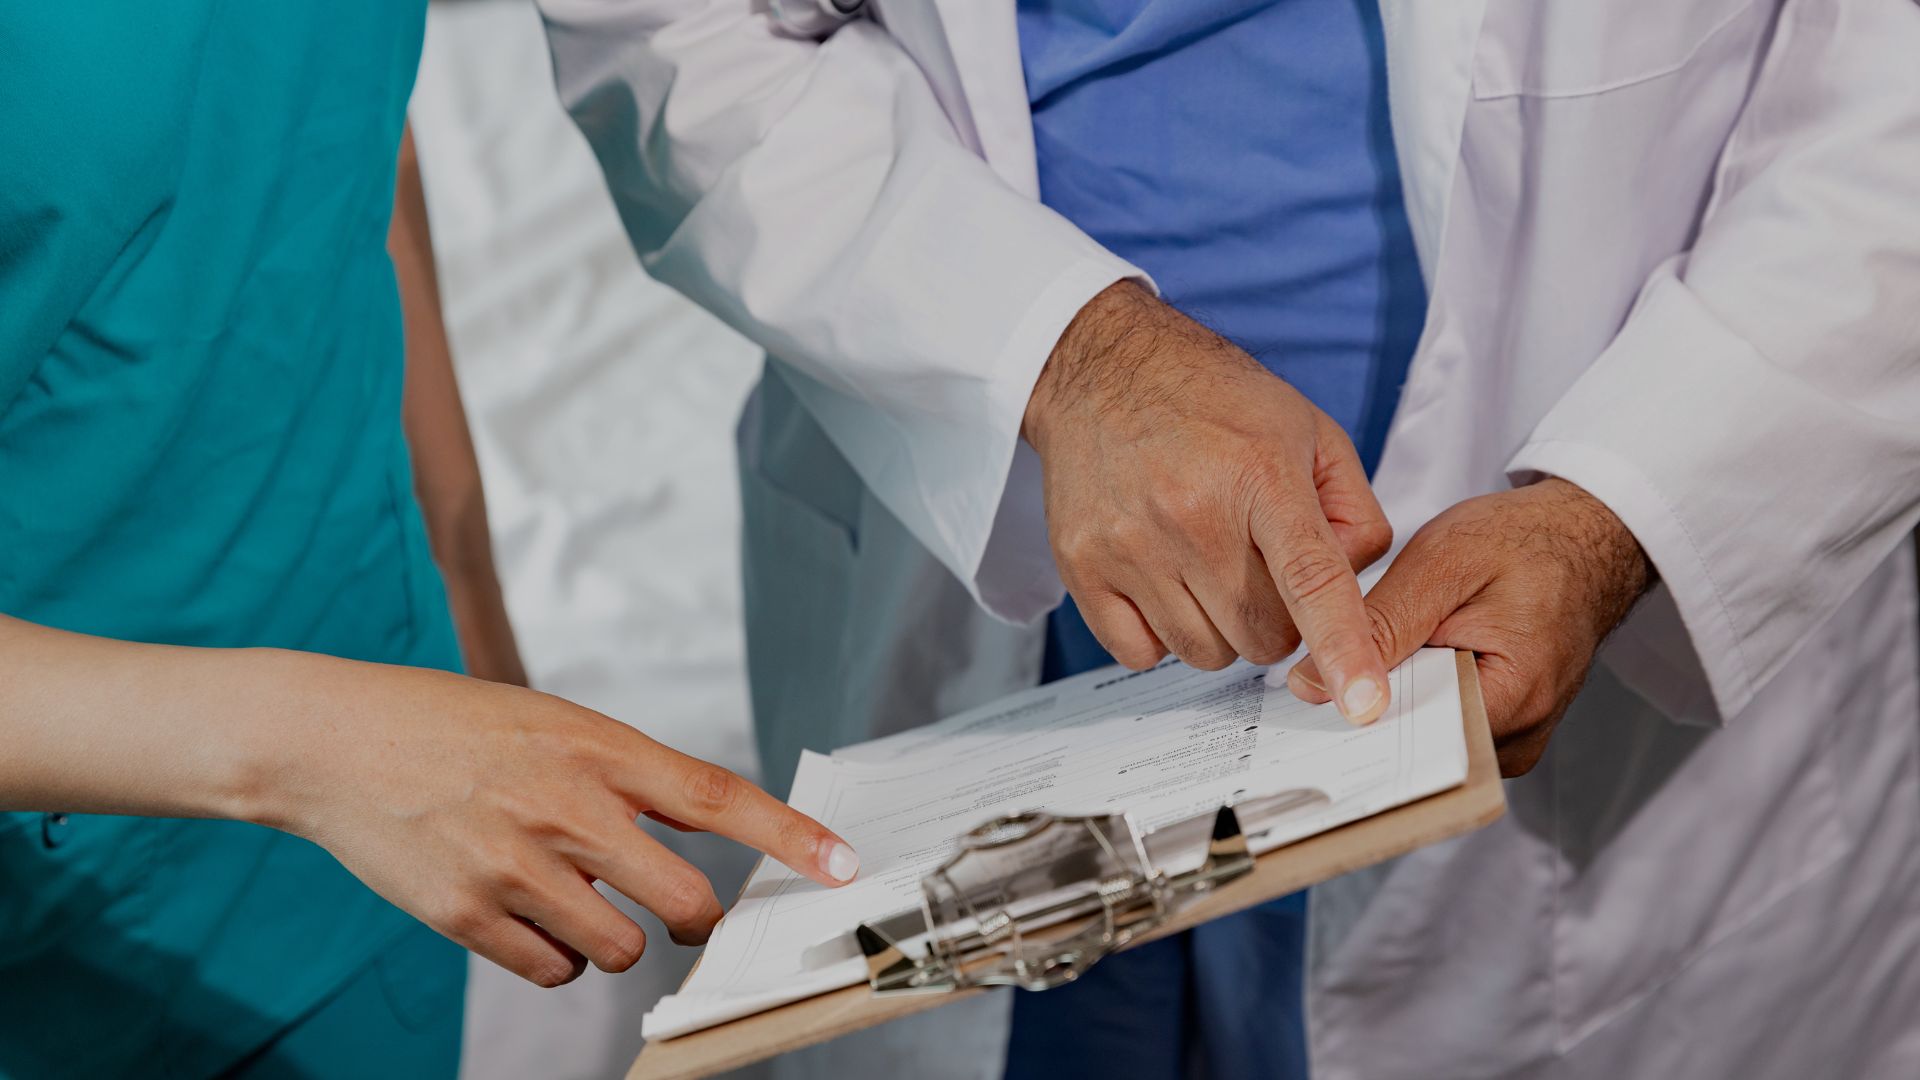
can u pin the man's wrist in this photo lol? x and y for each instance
(1101, 323)
(1622, 572)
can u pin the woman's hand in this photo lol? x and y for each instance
(488, 812)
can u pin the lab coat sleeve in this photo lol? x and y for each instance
(814, 195)
(1756, 423)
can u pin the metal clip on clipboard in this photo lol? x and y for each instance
(1033, 900)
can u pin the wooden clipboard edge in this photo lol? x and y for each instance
(1478, 802)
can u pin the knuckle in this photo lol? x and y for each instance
(1124, 639)
(1208, 660)
(1267, 653)
(1209, 656)
(685, 900)
(1269, 631)
(505, 874)
(1129, 534)
(1137, 656)
(1182, 643)
(551, 973)
(1289, 642)
(1256, 612)
(1194, 519)
(1182, 509)
(714, 790)
(624, 949)
(1311, 573)
(1074, 551)
(463, 919)
(1372, 539)
(1077, 581)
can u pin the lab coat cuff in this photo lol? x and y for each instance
(1014, 578)
(1634, 434)
(1764, 497)
(1665, 650)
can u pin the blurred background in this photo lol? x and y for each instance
(603, 406)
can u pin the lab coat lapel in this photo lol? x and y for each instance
(985, 39)
(1430, 54)
(970, 53)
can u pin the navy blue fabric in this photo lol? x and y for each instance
(1222, 1002)
(1240, 151)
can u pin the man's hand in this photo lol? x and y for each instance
(1532, 580)
(1199, 505)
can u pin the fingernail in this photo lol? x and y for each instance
(1358, 702)
(840, 863)
(1309, 675)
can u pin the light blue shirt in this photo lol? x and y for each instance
(1240, 151)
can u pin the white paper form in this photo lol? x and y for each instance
(1165, 744)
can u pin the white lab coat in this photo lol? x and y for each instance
(1673, 252)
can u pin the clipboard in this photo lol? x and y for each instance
(1477, 802)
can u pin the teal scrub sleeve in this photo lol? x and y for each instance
(95, 91)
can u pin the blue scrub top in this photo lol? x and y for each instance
(200, 444)
(1240, 151)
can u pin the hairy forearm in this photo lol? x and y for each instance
(95, 725)
(1084, 357)
(1126, 351)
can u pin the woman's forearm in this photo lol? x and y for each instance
(485, 810)
(90, 724)
(446, 470)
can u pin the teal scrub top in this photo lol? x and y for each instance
(200, 443)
